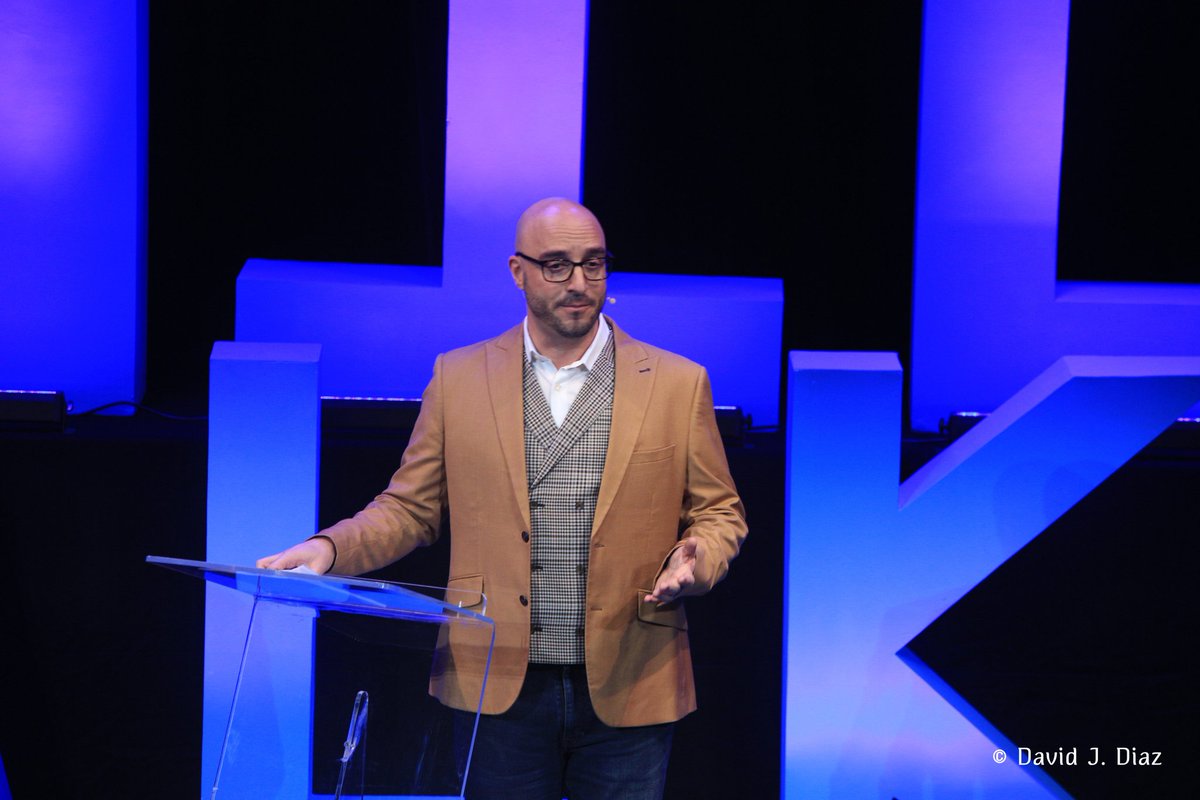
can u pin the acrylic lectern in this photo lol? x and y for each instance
(383, 637)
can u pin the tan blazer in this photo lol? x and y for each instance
(665, 478)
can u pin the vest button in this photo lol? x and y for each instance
(524, 600)
(580, 568)
(578, 505)
(524, 536)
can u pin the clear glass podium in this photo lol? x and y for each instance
(363, 693)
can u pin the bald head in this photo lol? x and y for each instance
(553, 217)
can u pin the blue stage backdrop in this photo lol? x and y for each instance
(72, 150)
(988, 311)
(382, 326)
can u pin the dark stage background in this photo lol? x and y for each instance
(719, 140)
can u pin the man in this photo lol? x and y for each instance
(588, 492)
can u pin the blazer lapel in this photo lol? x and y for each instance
(635, 372)
(504, 378)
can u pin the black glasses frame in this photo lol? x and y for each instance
(549, 263)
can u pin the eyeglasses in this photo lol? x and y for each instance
(560, 270)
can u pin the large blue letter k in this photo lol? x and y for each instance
(867, 570)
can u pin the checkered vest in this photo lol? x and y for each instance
(564, 466)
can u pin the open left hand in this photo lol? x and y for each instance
(678, 575)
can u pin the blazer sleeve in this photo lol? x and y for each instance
(712, 512)
(408, 513)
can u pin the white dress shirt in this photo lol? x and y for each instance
(561, 386)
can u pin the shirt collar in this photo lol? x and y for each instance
(589, 356)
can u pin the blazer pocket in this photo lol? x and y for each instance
(669, 616)
(465, 591)
(650, 456)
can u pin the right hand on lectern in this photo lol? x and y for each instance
(317, 554)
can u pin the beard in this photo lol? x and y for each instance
(568, 325)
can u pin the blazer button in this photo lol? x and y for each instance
(580, 568)
(524, 536)
(578, 505)
(524, 600)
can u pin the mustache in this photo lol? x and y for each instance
(576, 299)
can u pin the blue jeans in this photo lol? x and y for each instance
(550, 745)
